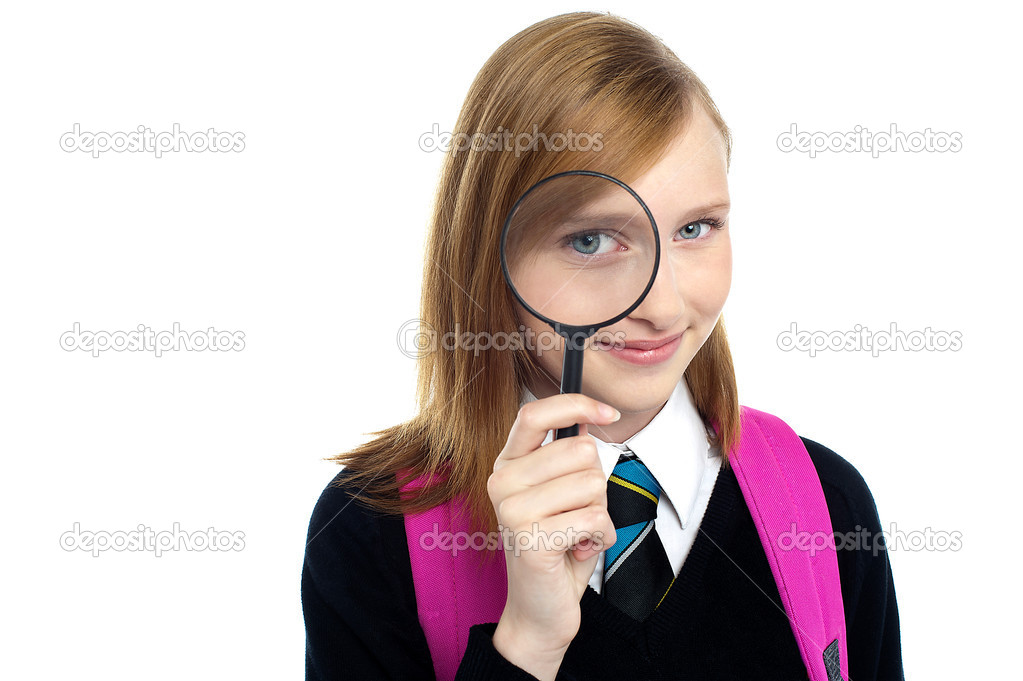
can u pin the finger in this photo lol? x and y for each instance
(588, 531)
(566, 493)
(558, 411)
(553, 460)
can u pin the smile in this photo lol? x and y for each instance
(645, 352)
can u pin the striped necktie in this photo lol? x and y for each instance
(637, 573)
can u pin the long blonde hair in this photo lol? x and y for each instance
(573, 74)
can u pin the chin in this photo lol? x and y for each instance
(631, 392)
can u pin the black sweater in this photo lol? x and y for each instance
(723, 619)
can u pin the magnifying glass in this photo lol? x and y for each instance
(579, 251)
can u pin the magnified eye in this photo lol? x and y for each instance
(593, 243)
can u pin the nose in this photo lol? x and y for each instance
(663, 304)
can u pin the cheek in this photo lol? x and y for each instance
(710, 281)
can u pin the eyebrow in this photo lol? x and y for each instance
(698, 211)
(610, 221)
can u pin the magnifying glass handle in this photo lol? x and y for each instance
(571, 382)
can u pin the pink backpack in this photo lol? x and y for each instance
(781, 487)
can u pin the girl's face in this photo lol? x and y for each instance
(687, 192)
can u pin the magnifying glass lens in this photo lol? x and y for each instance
(581, 249)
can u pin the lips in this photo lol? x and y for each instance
(645, 352)
(651, 344)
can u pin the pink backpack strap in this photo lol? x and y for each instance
(453, 592)
(784, 495)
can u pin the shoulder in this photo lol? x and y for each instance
(350, 542)
(339, 510)
(850, 502)
(342, 514)
(849, 499)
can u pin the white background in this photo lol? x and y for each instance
(310, 242)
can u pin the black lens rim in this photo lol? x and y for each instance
(576, 332)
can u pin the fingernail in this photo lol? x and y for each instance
(610, 412)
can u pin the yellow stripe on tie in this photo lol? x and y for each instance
(635, 488)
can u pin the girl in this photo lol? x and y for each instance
(607, 96)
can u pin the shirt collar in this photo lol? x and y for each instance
(674, 446)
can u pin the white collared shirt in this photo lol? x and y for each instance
(674, 446)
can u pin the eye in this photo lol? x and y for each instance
(695, 230)
(591, 243)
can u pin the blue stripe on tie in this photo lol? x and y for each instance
(638, 474)
(625, 536)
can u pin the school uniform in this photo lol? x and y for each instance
(721, 618)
